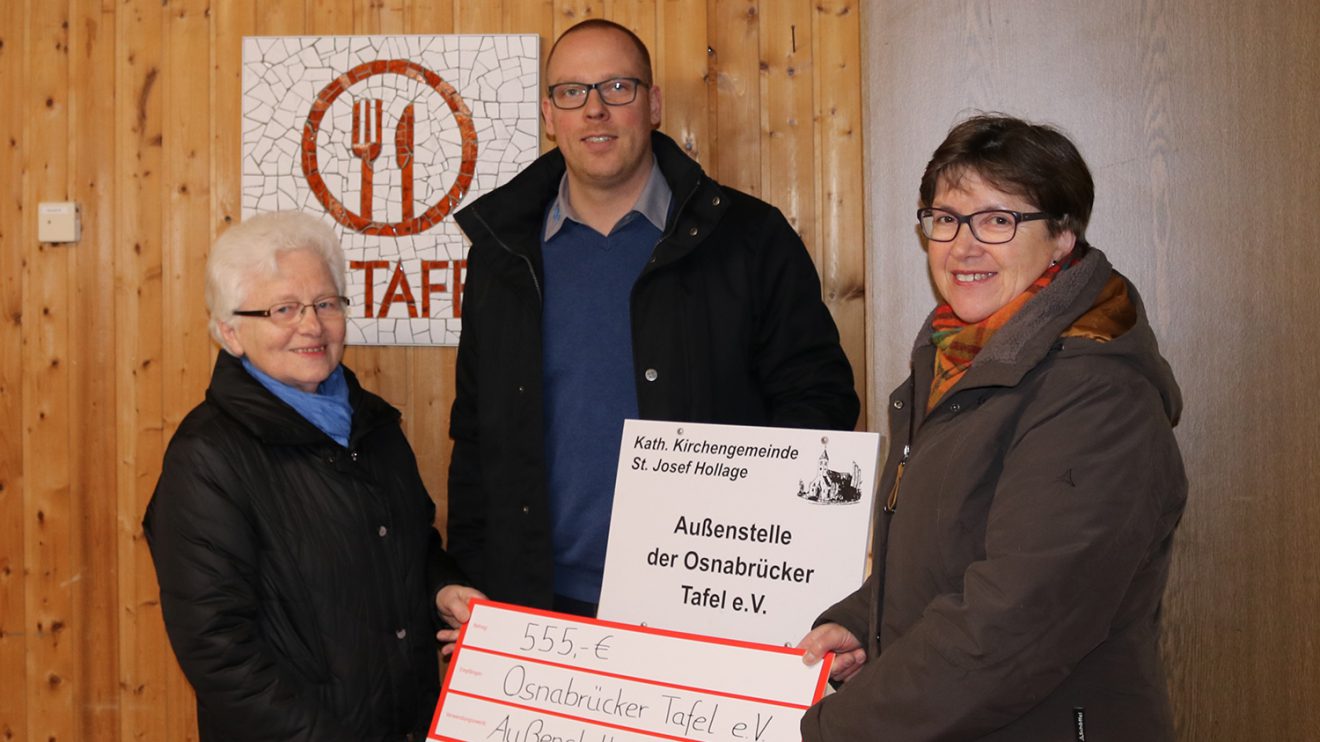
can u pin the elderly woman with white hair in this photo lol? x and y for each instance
(302, 580)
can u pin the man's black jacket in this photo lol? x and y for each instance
(728, 326)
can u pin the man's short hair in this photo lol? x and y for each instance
(601, 23)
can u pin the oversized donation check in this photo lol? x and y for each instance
(524, 675)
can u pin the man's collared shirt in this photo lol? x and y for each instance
(653, 203)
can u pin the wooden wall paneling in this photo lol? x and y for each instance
(186, 357)
(734, 27)
(186, 187)
(151, 149)
(367, 16)
(480, 16)
(639, 16)
(393, 16)
(52, 661)
(426, 17)
(92, 391)
(290, 17)
(147, 664)
(683, 70)
(533, 17)
(322, 13)
(1239, 175)
(569, 13)
(14, 631)
(788, 133)
(431, 388)
(231, 21)
(317, 13)
(1197, 119)
(840, 188)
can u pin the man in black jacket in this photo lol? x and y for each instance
(613, 279)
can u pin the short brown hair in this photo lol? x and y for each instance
(1034, 161)
(601, 23)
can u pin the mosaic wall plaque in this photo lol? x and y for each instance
(387, 136)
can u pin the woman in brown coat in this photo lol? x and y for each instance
(1033, 483)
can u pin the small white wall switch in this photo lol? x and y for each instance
(58, 221)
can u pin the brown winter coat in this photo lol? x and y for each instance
(1015, 593)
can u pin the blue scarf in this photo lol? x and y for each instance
(327, 409)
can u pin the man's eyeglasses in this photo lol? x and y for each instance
(992, 227)
(616, 91)
(289, 313)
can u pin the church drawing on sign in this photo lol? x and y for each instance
(831, 487)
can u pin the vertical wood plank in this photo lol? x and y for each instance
(480, 16)
(288, 17)
(569, 13)
(52, 664)
(341, 14)
(429, 16)
(734, 30)
(431, 383)
(14, 634)
(147, 664)
(233, 20)
(534, 17)
(186, 356)
(683, 71)
(394, 16)
(92, 391)
(367, 17)
(841, 199)
(788, 133)
(186, 189)
(639, 16)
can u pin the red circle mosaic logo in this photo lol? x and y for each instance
(367, 144)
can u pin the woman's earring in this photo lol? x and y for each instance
(1053, 263)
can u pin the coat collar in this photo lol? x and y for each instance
(266, 417)
(514, 214)
(1021, 344)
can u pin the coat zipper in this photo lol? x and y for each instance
(891, 502)
(673, 225)
(531, 269)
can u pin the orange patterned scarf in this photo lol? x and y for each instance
(957, 343)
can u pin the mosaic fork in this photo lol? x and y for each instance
(367, 145)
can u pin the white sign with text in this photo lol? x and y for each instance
(526, 675)
(733, 531)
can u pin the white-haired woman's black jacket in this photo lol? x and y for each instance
(298, 577)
